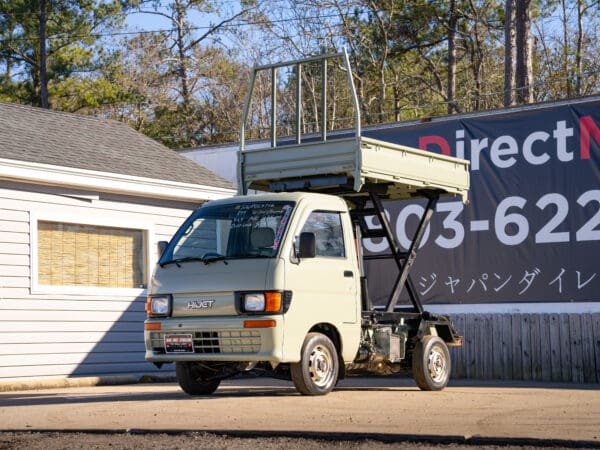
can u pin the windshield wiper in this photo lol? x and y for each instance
(206, 259)
(213, 257)
(178, 261)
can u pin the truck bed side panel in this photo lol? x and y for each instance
(363, 161)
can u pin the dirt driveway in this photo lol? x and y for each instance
(358, 407)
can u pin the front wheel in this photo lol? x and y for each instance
(431, 364)
(190, 377)
(317, 371)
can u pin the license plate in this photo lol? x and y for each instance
(179, 343)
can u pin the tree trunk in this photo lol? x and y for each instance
(381, 106)
(524, 57)
(8, 60)
(578, 58)
(384, 26)
(360, 93)
(476, 57)
(509, 54)
(182, 59)
(451, 88)
(43, 64)
(397, 115)
(565, 24)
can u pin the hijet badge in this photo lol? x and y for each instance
(201, 303)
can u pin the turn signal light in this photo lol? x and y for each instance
(272, 302)
(259, 323)
(154, 326)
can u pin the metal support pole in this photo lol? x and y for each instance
(298, 103)
(403, 279)
(273, 107)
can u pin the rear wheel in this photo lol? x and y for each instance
(191, 379)
(431, 364)
(317, 371)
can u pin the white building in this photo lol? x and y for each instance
(83, 203)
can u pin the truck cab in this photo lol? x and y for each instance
(274, 284)
(246, 279)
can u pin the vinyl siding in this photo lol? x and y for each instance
(69, 334)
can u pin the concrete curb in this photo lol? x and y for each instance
(31, 385)
(115, 380)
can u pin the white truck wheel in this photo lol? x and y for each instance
(317, 371)
(431, 364)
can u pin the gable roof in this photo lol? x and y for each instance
(41, 136)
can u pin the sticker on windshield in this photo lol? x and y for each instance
(281, 227)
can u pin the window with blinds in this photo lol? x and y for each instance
(90, 256)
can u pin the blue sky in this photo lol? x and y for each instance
(151, 22)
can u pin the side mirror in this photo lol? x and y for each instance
(162, 246)
(308, 245)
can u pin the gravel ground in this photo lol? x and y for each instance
(197, 440)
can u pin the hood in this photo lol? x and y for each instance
(200, 289)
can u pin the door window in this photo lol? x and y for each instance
(327, 227)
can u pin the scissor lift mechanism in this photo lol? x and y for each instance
(403, 260)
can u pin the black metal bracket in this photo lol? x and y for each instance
(404, 260)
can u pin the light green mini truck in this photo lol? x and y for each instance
(274, 284)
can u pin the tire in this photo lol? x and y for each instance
(189, 377)
(317, 371)
(431, 364)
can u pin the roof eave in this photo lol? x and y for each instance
(52, 175)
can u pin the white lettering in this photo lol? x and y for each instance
(527, 148)
(401, 234)
(369, 244)
(561, 133)
(477, 146)
(503, 146)
(505, 151)
(460, 144)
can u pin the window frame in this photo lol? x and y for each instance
(287, 209)
(93, 219)
(343, 232)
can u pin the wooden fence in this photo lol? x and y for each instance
(540, 347)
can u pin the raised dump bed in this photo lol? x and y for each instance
(342, 164)
(349, 165)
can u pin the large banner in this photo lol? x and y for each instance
(531, 232)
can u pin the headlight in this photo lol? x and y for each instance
(254, 302)
(158, 306)
(275, 302)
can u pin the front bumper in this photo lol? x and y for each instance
(217, 339)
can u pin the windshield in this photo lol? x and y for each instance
(236, 230)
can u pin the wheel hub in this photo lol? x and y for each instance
(436, 365)
(320, 366)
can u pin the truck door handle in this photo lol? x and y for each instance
(348, 273)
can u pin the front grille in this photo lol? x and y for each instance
(208, 342)
(239, 341)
